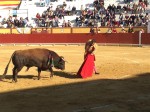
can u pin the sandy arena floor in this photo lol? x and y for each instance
(122, 86)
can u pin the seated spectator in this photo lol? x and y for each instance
(143, 22)
(98, 7)
(147, 18)
(128, 8)
(103, 22)
(91, 23)
(126, 15)
(119, 8)
(64, 24)
(82, 18)
(76, 20)
(38, 16)
(60, 22)
(25, 20)
(47, 21)
(124, 8)
(95, 3)
(130, 22)
(64, 4)
(54, 22)
(21, 22)
(139, 22)
(134, 8)
(86, 22)
(120, 17)
(109, 8)
(73, 10)
(9, 24)
(143, 6)
(113, 9)
(16, 22)
(116, 23)
(101, 2)
(141, 15)
(4, 23)
(31, 23)
(108, 23)
(146, 2)
(69, 23)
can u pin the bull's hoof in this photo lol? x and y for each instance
(51, 76)
(1, 78)
(14, 81)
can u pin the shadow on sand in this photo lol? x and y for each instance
(103, 95)
(56, 73)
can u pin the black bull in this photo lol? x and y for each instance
(43, 59)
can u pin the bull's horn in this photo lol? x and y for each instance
(63, 59)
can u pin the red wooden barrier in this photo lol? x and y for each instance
(119, 38)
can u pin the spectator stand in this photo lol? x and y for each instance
(96, 17)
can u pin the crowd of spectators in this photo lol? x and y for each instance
(111, 16)
(134, 15)
(100, 16)
(14, 22)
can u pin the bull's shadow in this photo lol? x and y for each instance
(56, 73)
(20, 76)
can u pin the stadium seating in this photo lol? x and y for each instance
(31, 8)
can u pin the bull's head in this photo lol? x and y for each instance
(60, 64)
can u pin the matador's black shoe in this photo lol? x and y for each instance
(97, 73)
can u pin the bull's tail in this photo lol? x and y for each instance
(4, 74)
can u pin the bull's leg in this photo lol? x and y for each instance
(39, 72)
(15, 73)
(51, 72)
